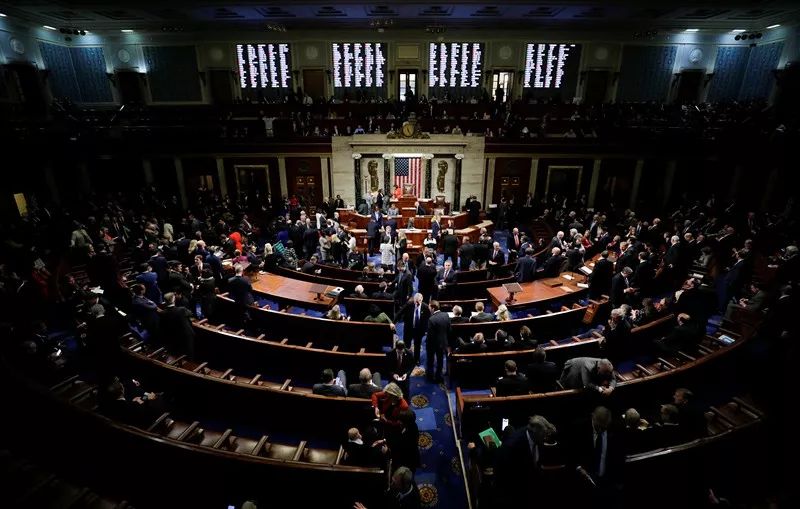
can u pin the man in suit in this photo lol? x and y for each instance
(628, 258)
(373, 235)
(426, 276)
(515, 240)
(480, 315)
(240, 290)
(526, 267)
(589, 374)
(449, 245)
(600, 278)
(399, 364)
(473, 209)
(552, 267)
(466, 253)
(404, 285)
(437, 341)
(621, 289)
(644, 274)
(685, 337)
(383, 292)
(176, 327)
(331, 386)
(616, 336)
(512, 383)
(734, 280)
(558, 241)
(542, 374)
(415, 315)
(445, 279)
(519, 464)
(436, 228)
(597, 454)
(477, 345)
(496, 260)
(368, 383)
(360, 454)
(310, 266)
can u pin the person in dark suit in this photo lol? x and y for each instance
(368, 383)
(477, 345)
(383, 292)
(542, 374)
(600, 278)
(617, 336)
(552, 267)
(628, 258)
(145, 310)
(310, 266)
(474, 210)
(685, 337)
(437, 341)
(644, 274)
(330, 385)
(449, 245)
(404, 442)
(399, 364)
(420, 210)
(621, 288)
(519, 464)
(466, 253)
(480, 315)
(589, 374)
(176, 327)
(597, 454)
(497, 259)
(515, 240)
(436, 228)
(526, 267)
(415, 315)
(426, 277)
(512, 383)
(404, 285)
(373, 235)
(240, 290)
(690, 416)
(734, 280)
(360, 454)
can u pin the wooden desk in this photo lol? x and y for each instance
(292, 291)
(538, 291)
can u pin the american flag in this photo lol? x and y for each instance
(408, 169)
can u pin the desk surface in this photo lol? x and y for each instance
(294, 291)
(538, 291)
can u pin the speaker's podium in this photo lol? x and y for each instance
(408, 189)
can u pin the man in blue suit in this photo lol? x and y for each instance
(526, 267)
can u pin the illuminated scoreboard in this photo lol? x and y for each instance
(359, 66)
(264, 66)
(455, 64)
(551, 66)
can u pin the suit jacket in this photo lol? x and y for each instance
(329, 390)
(401, 367)
(363, 391)
(482, 317)
(407, 314)
(176, 329)
(499, 257)
(240, 290)
(581, 373)
(426, 275)
(362, 455)
(451, 278)
(582, 451)
(552, 267)
(404, 287)
(450, 244)
(438, 331)
(600, 278)
(308, 268)
(542, 376)
(526, 269)
(436, 228)
(512, 385)
(644, 275)
(618, 286)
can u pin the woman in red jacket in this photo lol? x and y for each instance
(388, 404)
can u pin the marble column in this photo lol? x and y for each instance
(357, 177)
(282, 176)
(534, 176)
(223, 183)
(181, 183)
(487, 198)
(323, 166)
(637, 181)
(456, 205)
(387, 177)
(428, 169)
(594, 182)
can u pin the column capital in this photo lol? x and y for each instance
(356, 156)
(459, 156)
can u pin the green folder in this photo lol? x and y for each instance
(491, 434)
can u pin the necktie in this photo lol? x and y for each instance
(445, 276)
(399, 360)
(416, 317)
(598, 453)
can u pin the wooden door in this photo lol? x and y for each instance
(314, 82)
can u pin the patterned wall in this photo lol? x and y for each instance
(90, 71)
(729, 69)
(61, 73)
(646, 73)
(76, 73)
(758, 78)
(172, 73)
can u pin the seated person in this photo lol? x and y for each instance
(388, 404)
(137, 409)
(690, 416)
(637, 432)
(526, 340)
(359, 293)
(310, 267)
(685, 337)
(480, 315)
(668, 430)
(331, 386)
(502, 313)
(512, 383)
(376, 315)
(457, 318)
(589, 374)
(542, 374)
(368, 383)
(383, 292)
(477, 345)
(359, 454)
(499, 342)
(335, 313)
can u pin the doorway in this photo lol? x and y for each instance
(314, 82)
(596, 87)
(408, 83)
(502, 80)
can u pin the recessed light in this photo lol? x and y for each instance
(49, 27)
(773, 26)
(3, 15)
(692, 29)
(126, 30)
(738, 30)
